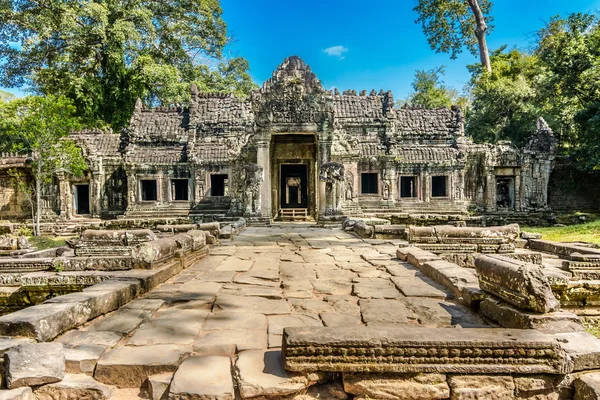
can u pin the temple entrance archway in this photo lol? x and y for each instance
(293, 176)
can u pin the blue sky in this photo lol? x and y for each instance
(374, 45)
(383, 45)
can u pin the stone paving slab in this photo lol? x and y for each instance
(205, 378)
(237, 301)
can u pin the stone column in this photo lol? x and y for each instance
(263, 159)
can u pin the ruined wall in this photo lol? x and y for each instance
(12, 201)
(570, 189)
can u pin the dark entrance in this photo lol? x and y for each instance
(82, 199)
(294, 186)
(505, 192)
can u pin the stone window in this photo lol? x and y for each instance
(218, 184)
(179, 190)
(149, 189)
(369, 183)
(439, 186)
(408, 186)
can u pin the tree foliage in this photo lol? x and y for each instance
(504, 104)
(40, 126)
(5, 96)
(430, 91)
(104, 54)
(559, 80)
(452, 25)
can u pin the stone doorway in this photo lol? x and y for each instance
(294, 186)
(82, 199)
(293, 172)
(505, 192)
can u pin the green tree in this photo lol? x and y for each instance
(451, 25)
(40, 126)
(104, 54)
(430, 91)
(569, 49)
(505, 101)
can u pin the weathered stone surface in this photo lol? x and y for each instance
(587, 387)
(205, 378)
(510, 317)
(278, 322)
(418, 287)
(261, 373)
(235, 264)
(225, 342)
(543, 387)
(175, 327)
(253, 304)
(24, 393)
(521, 284)
(121, 321)
(383, 312)
(32, 364)
(44, 321)
(397, 386)
(340, 320)
(101, 338)
(375, 288)
(75, 387)
(414, 349)
(82, 359)
(235, 320)
(158, 385)
(482, 387)
(130, 366)
(583, 348)
(450, 275)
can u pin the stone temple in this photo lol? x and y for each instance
(295, 151)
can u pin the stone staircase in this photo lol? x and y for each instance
(294, 214)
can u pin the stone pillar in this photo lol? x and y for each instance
(322, 197)
(263, 159)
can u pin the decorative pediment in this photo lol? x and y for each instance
(293, 95)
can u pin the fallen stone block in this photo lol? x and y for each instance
(520, 284)
(418, 257)
(397, 386)
(176, 228)
(212, 227)
(481, 387)
(158, 385)
(510, 317)
(24, 393)
(129, 367)
(587, 387)
(82, 359)
(75, 387)
(261, 373)
(450, 276)
(45, 321)
(364, 230)
(203, 378)
(32, 364)
(418, 350)
(583, 348)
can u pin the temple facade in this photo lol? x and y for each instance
(295, 151)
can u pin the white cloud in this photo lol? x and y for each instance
(336, 51)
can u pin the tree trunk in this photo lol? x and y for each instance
(480, 32)
(38, 199)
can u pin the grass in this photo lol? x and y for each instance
(588, 232)
(44, 242)
(592, 327)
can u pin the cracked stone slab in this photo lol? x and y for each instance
(375, 288)
(418, 287)
(261, 373)
(226, 342)
(82, 359)
(251, 304)
(227, 320)
(129, 367)
(173, 327)
(235, 264)
(278, 322)
(382, 312)
(91, 337)
(203, 378)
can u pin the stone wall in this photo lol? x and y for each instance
(573, 190)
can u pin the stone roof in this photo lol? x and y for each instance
(162, 124)
(420, 121)
(219, 108)
(156, 155)
(13, 160)
(352, 106)
(98, 143)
